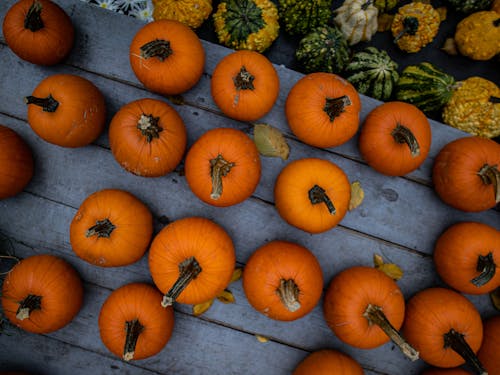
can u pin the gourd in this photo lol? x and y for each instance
(414, 26)
(191, 261)
(191, 13)
(16, 163)
(147, 137)
(246, 24)
(469, 6)
(488, 352)
(395, 138)
(66, 110)
(299, 17)
(132, 323)
(312, 194)
(167, 57)
(495, 6)
(373, 73)
(357, 19)
(39, 31)
(322, 110)
(425, 86)
(222, 167)
(324, 49)
(245, 85)
(474, 107)
(327, 362)
(111, 228)
(478, 36)
(42, 294)
(385, 6)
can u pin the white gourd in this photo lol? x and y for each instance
(357, 19)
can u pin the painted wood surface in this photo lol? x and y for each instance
(400, 218)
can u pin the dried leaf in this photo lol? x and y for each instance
(270, 141)
(377, 260)
(384, 22)
(450, 47)
(442, 11)
(390, 269)
(495, 298)
(202, 307)
(357, 195)
(261, 338)
(238, 272)
(226, 296)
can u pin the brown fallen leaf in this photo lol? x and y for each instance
(238, 272)
(270, 141)
(261, 338)
(357, 195)
(384, 22)
(226, 296)
(495, 298)
(202, 307)
(390, 269)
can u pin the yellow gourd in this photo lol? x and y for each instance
(478, 35)
(190, 12)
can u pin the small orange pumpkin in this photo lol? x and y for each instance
(395, 138)
(222, 167)
(312, 194)
(283, 280)
(111, 228)
(328, 362)
(322, 110)
(488, 352)
(245, 85)
(147, 137)
(167, 57)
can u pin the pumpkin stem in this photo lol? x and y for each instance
(375, 315)
(48, 104)
(243, 80)
(335, 106)
(402, 134)
(456, 341)
(27, 305)
(289, 292)
(33, 20)
(491, 175)
(219, 168)
(102, 228)
(149, 127)
(486, 265)
(188, 270)
(318, 195)
(133, 329)
(410, 27)
(156, 48)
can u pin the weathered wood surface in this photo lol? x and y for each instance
(400, 219)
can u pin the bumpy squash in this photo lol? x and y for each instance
(246, 24)
(190, 12)
(469, 6)
(373, 73)
(478, 35)
(385, 6)
(357, 19)
(302, 16)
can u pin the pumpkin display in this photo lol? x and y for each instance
(395, 138)
(246, 24)
(42, 294)
(478, 36)
(357, 19)
(322, 110)
(466, 175)
(445, 371)
(191, 13)
(324, 49)
(373, 73)
(111, 228)
(414, 26)
(16, 163)
(223, 167)
(312, 194)
(66, 110)
(469, 6)
(132, 323)
(38, 31)
(385, 6)
(327, 362)
(299, 17)
(147, 137)
(167, 57)
(191, 261)
(488, 352)
(283, 280)
(444, 327)
(245, 85)
(466, 257)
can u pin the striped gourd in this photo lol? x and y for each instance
(299, 17)
(469, 6)
(425, 86)
(373, 73)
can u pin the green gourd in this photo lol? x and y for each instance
(299, 17)
(469, 6)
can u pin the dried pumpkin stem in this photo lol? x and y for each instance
(28, 305)
(33, 20)
(486, 265)
(402, 134)
(156, 48)
(456, 341)
(149, 126)
(410, 27)
(219, 168)
(289, 292)
(243, 80)
(48, 104)
(375, 315)
(334, 107)
(102, 228)
(491, 175)
(133, 329)
(318, 195)
(188, 270)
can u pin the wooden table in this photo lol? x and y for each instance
(400, 219)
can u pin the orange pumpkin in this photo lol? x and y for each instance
(466, 174)
(38, 31)
(444, 327)
(191, 260)
(66, 110)
(16, 163)
(364, 308)
(395, 138)
(328, 362)
(488, 352)
(445, 371)
(132, 323)
(111, 228)
(167, 57)
(42, 294)
(245, 85)
(147, 137)
(322, 110)
(283, 280)
(222, 167)
(312, 194)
